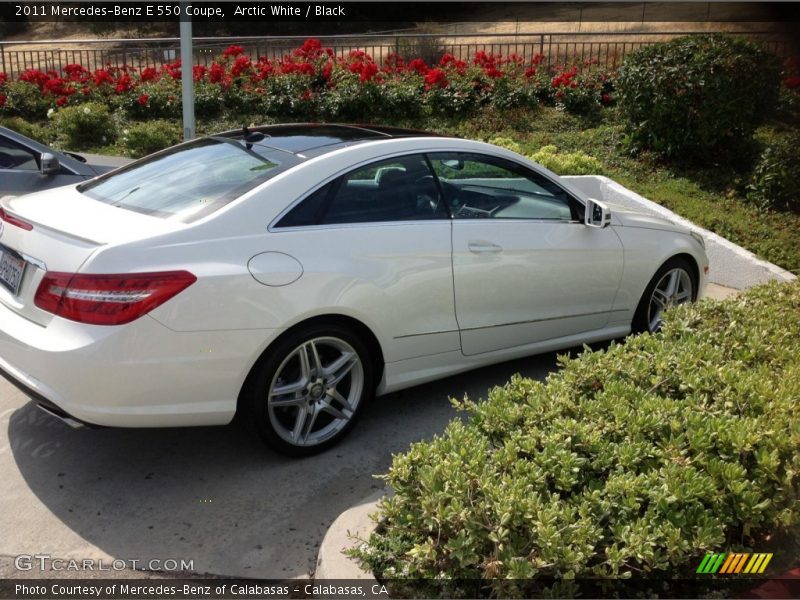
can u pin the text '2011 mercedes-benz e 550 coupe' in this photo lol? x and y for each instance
(291, 272)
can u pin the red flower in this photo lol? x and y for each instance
(148, 74)
(311, 48)
(368, 71)
(216, 73)
(2, 97)
(86, 91)
(240, 65)
(493, 72)
(173, 69)
(306, 96)
(559, 94)
(530, 72)
(34, 76)
(124, 84)
(436, 78)
(605, 98)
(327, 70)
(61, 101)
(792, 82)
(484, 60)
(198, 72)
(102, 76)
(394, 63)
(537, 59)
(233, 50)
(418, 65)
(306, 69)
(450, 61)
(75, 72)
(3, 77)
(143, 99)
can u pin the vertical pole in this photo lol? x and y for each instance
(187, 71)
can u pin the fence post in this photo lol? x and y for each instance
(3, 57)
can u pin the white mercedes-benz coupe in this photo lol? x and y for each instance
(290, 272)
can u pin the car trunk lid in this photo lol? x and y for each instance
(58, 230)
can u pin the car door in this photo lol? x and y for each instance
(525, 267)
(377, 240)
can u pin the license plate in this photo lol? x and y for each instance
(11, 271)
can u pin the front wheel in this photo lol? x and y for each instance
(308, 390)
(672, 285)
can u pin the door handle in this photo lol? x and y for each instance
(483, 247)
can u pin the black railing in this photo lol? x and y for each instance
(558, 48)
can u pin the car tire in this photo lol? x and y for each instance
(307, 391)
(674, 283)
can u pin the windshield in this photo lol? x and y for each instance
(190, 181)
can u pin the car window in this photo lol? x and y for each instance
(397, 189)
(15, 157)
(480, 186)
(191, 180)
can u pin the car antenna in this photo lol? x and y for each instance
(251, 137)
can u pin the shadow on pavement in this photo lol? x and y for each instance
(216, 495)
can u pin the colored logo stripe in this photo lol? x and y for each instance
(734, 562)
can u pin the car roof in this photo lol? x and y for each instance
(318, 138)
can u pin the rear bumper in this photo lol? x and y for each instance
(137, 375)
(44, 403)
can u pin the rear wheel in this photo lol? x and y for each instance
(308, 390)
(672, 285)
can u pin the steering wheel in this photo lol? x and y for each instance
(427, 200)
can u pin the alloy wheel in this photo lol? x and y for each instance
(315, 391)
(674, 288)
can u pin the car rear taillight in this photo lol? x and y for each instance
(12, 220)
(108, 299)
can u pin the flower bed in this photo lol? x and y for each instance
(312, 82)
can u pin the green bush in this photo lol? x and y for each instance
(629, 462)
(697, 97)
(85, 125)
(145, 138)
(24, 99)
(31, 130)
(567, 163)
(775, 182)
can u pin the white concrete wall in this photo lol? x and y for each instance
(731, 265)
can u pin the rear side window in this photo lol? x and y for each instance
(190, 181)
(396, 189)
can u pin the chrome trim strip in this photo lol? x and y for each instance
(589, 314)
(410, 335)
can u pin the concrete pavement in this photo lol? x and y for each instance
(215, 496)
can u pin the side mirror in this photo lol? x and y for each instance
(48, 164)
(597, 214)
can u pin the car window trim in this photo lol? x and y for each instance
(341, 175)
(272, 227)
(572, 199)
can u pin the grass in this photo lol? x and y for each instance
(710, 195)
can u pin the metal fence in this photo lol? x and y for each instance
(558, 48)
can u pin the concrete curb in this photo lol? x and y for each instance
(353, 523)
(731, 265)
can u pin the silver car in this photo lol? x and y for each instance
(28, 166)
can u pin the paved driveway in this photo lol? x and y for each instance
(212, 495)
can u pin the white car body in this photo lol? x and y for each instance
(439, 297)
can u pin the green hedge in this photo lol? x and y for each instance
(629, 462)
(697, 97)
